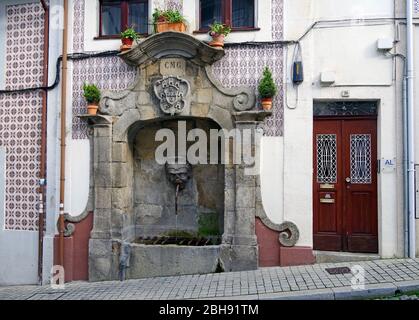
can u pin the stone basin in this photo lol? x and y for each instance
(171, 260)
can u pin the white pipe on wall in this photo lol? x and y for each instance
(410, 128)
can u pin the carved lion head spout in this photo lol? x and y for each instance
(178, 172)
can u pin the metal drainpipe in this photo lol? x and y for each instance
(63, 134)
(410, 129)
(42, 173)
(405, 167)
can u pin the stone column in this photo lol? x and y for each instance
(239, 250)
(100, 244)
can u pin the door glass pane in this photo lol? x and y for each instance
(243, 13)
(345, 108)
(361, 158)
(138, 16)
(111, 18)
(327, 167)
(211, 11)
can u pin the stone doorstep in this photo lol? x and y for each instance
(323, 257)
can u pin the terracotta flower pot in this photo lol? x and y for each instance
(166, 26)
(267, 104)
(92, 108)
(126, 44)
(217, 40)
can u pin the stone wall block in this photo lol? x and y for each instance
(199, 110)
(103, 198)
(120, 152)
(245, 197)
(121, 198)
(120, 173)
(203, 96)
(103, 174)
(102, 131)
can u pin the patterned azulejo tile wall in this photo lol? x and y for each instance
(20, 114)
(242, 65)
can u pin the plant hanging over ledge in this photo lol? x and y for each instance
(267, 89)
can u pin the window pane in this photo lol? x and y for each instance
(243, 13)
(138, 17)
(211, 11)
(111, 18)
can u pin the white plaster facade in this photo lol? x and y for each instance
(341, 37)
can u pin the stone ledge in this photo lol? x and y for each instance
(97, 119)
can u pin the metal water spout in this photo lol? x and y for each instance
(178, 172)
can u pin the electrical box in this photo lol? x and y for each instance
(385, 44)
(327, 78)
(298, 73)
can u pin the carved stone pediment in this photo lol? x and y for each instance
(175, 77)
(172, 44)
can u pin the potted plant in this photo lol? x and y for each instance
(267, 89)
(127, 38)
(92, 95)
(218, 32)
(168, 20)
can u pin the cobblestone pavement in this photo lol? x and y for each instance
(382, 278)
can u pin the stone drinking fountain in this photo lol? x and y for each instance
(139, 204)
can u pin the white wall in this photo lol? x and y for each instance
(347, 48)
(18, 248)
(272, 177)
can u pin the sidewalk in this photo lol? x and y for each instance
(382, 278)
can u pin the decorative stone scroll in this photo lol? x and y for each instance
(288, 231)
(172, 93)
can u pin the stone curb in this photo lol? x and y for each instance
(408, 286)
(341, 293)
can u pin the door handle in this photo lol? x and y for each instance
(348, 180)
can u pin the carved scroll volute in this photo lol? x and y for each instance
(288, 234)
(244, 101)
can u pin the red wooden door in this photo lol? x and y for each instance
(345, 185)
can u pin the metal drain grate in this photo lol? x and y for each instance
(47, 296)
(180, 241)
(340, 270)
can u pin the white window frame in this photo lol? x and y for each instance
(263, 9)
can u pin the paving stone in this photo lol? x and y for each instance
(382, 277)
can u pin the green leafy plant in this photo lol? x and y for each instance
(169, 15)
(219, 29)
(91, 93)
(267, 87)
(129, 33)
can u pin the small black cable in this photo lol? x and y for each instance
(74, 57)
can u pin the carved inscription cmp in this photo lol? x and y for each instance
(172, 93)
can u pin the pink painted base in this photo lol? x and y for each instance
(268, 245)
(271, 254)
(296, 256)
(76, 251)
